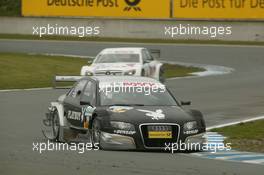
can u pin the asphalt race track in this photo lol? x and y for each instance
(222, 99)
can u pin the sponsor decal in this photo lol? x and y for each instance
(74, 115)
(86, 113)
(99, 8)
(159, 134)
(218, 9)
(88, 110)
(124, 132)
(159, 131)
(111, 67)
(191, 131)
(120, 109)
(155, 115)
(132, 5)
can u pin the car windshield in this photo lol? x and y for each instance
(115, 58)
(137, 97)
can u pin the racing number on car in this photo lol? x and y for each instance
(132, 4)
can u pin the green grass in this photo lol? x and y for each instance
(131, 40)
(179, 71)
(10, 7)
(245, 136)
(36, 71)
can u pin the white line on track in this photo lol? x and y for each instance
(65, 55)
(236, 122)
(228, 154)
(259, 161)
(30, 89)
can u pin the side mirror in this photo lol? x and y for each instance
(82, 102)
(90, 62)
(155, 53)
(147, 61)
(79, 92)
(186, 103)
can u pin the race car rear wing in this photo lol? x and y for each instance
(155, 53)
(65, 81)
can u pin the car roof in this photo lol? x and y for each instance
(136, 50)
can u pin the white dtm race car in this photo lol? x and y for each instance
(125, 61)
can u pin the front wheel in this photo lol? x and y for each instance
(96, 133)
(55, 125)
(143, 73)
(162, 75)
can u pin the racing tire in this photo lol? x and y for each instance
(96, 133)
(161, 75)
(55, 123)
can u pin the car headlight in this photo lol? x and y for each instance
(88, 73)
(122, 126)
(130, 72)
(190, 126)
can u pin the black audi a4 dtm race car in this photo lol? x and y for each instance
(123, 113)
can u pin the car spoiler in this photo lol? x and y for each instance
(155, 53)
(64, 79)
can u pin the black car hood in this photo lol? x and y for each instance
(148, 114)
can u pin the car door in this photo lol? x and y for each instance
(88, 102)
(72, 107)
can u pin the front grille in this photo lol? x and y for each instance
(108, 73)
(159, 142)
